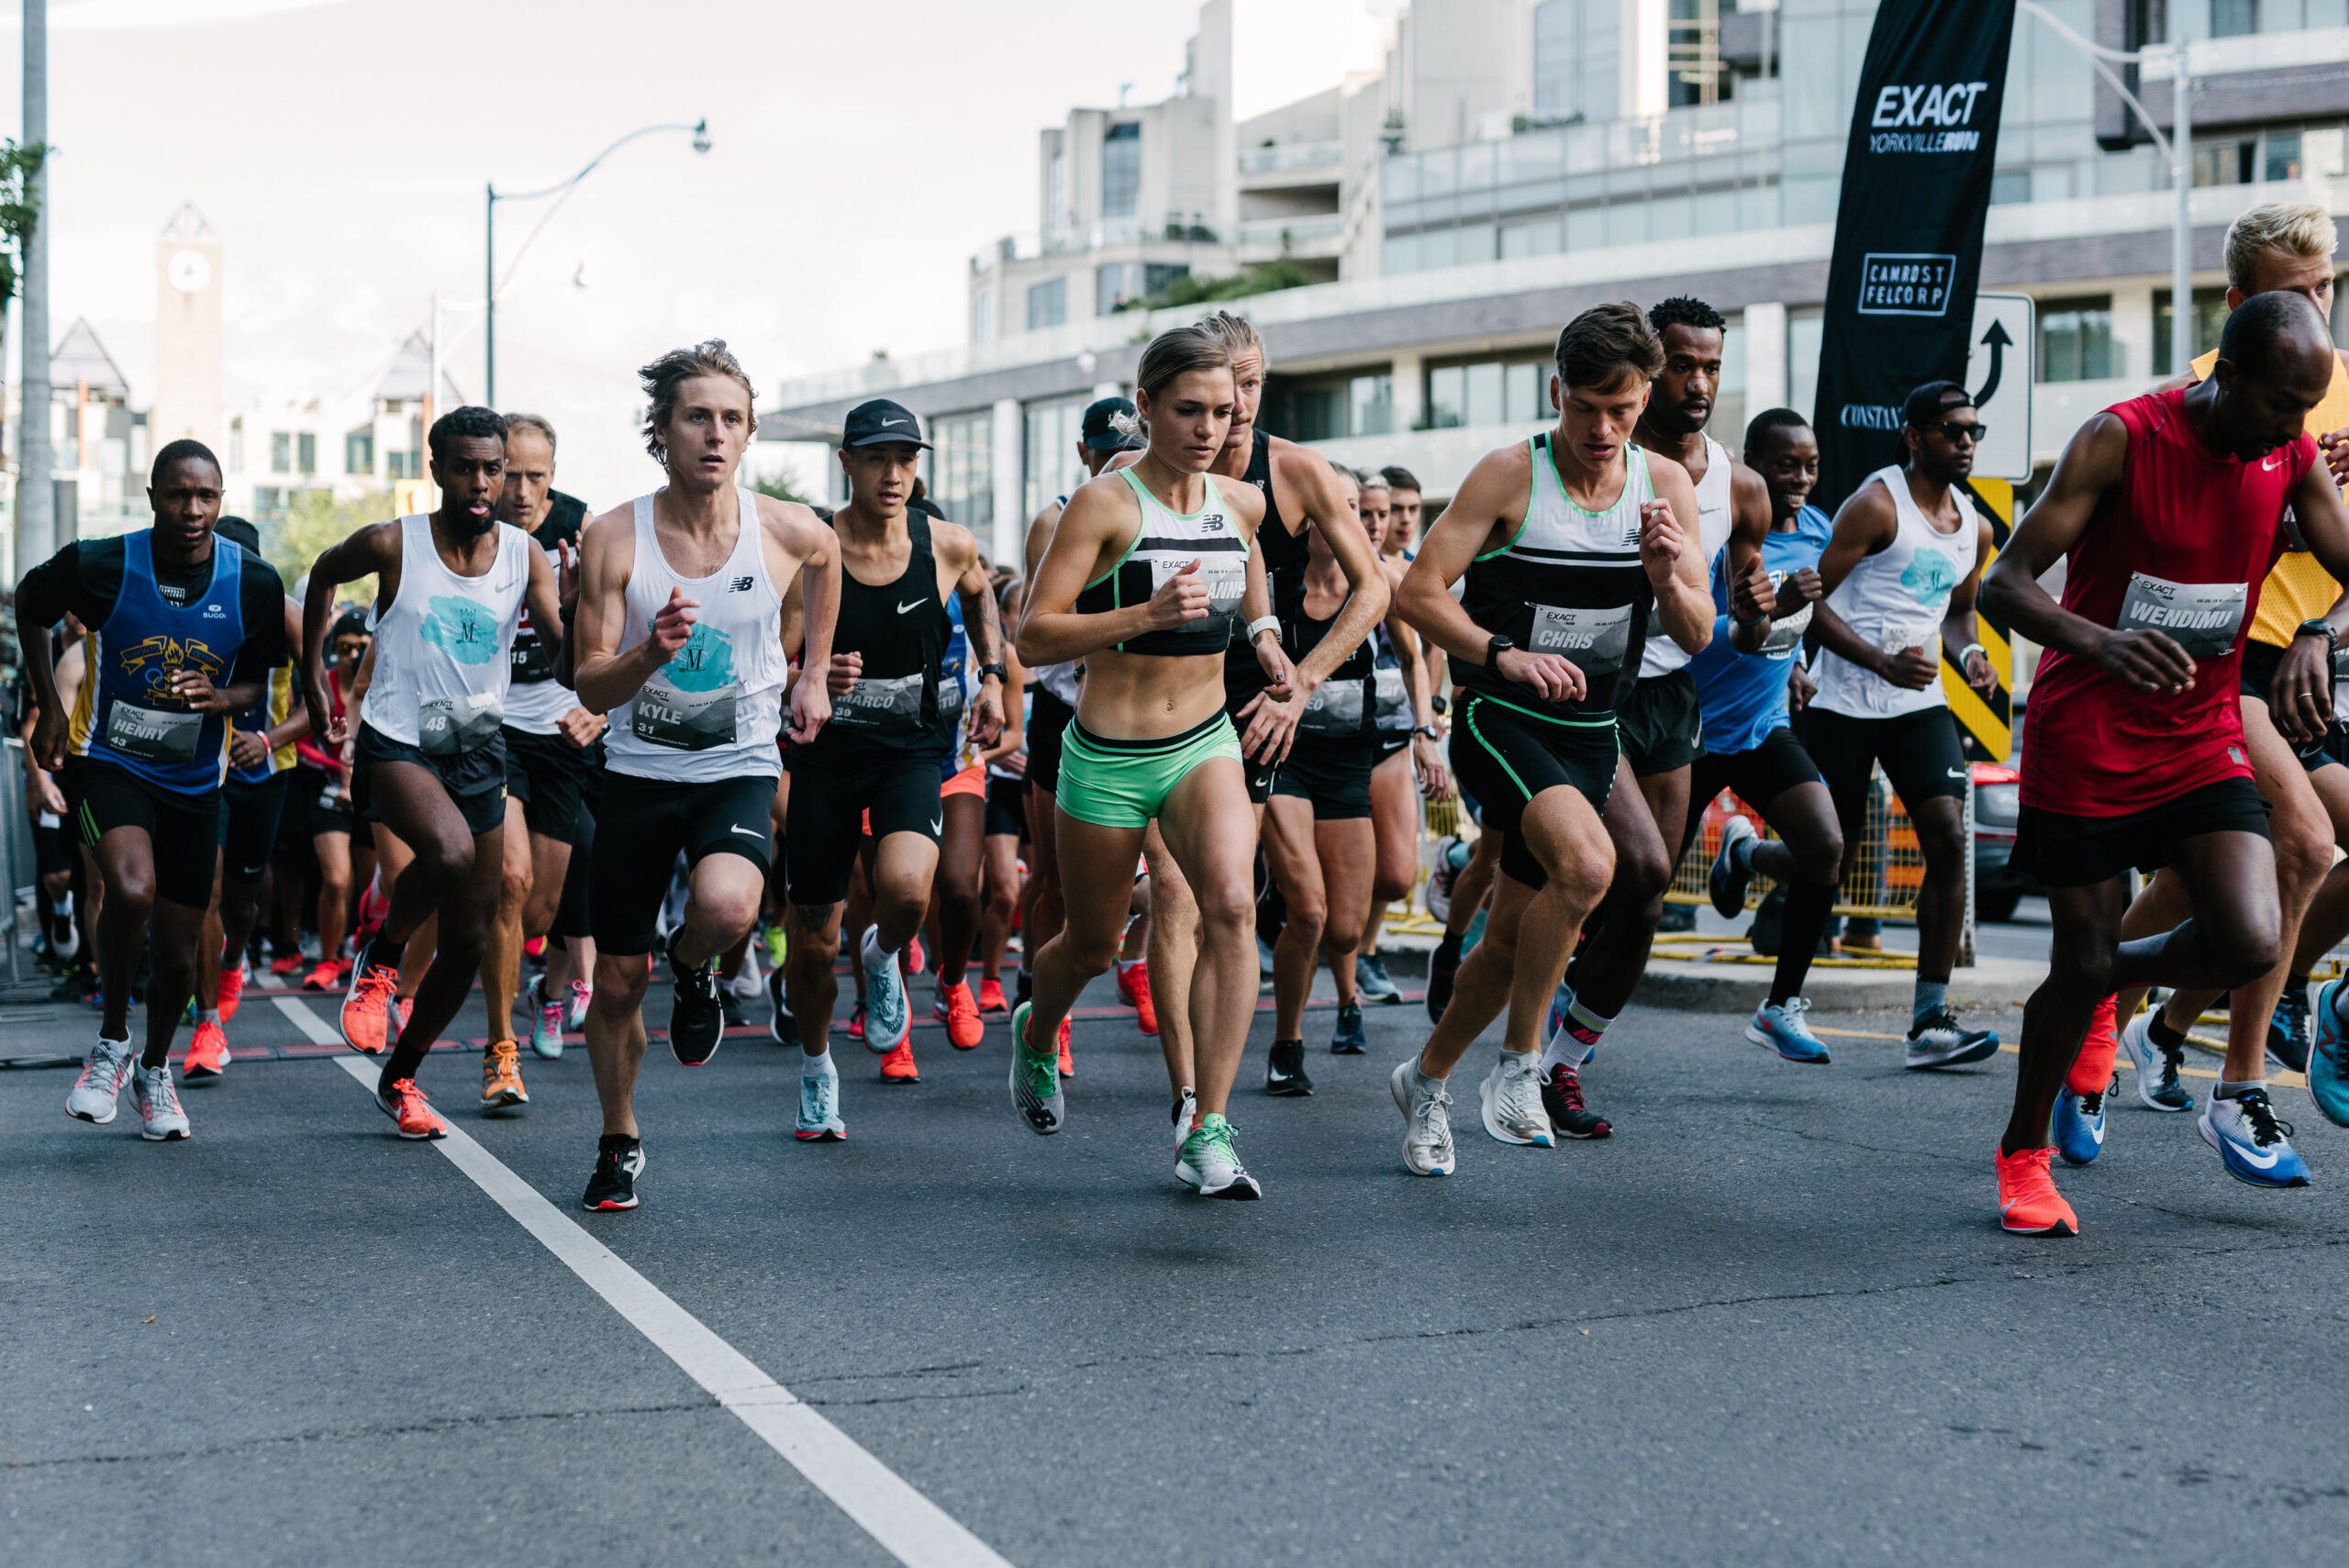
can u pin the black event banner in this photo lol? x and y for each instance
(1909, 227)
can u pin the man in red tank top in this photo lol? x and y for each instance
(2169, 509)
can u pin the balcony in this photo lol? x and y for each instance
(1317, 233)
(1175, 228)
(1289, 157)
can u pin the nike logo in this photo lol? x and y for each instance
(1957, 772)
(915, 605)
(2270, 464)
(749, 833)
(2258, 1157)
(893, 421)
(938, 823)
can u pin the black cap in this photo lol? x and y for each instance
(1929, 402)
(351, 623)
(880, 423)
(1101, 432)
(243, 532)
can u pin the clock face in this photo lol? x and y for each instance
(188, 271)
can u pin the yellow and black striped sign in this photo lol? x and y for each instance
(1988, 723)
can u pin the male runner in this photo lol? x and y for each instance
(680, 640)
(882, 752)
(429, 763)
(141, 754)
(1402, 513)
(2170, 510)
(1900, 575)
(1574, 550)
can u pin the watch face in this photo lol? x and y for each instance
(188, 271)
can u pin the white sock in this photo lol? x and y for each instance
(871, 951)
(1423, 1079)
(818, 1066)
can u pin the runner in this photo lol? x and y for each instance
(1750, 744)
(1146, 574)
(1658, 724)
(1006, 817)
(896, 714)
(2169, 509)
(1410, 750)
(1900, 574)
(963, 789)
(1402, 535)
(682, 640)
(319, 812)
(1572, 544)
(141, 754)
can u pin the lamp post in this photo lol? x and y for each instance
(491, 196)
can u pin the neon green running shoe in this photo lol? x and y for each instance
(1209, 1166)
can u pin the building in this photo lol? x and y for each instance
(98, 442)
(1518, 160)
(370, 439)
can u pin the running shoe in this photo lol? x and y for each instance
(581, 993)
(1145, 1005)
(1066, 1063)
(782, 1027)
(1035, 1081)
(897, 1066)
(991, 997)
(1209, 1166)
(2288, 1030)
(2329, 1059)
(207, 1053)
(286, 963)
(1782, 1027)
(1511, 1094)
(1569, 1117)
(1938, 1040)
(2158, 1084)
(1285, 1070)
(1440, 876)
(886, 1018)
(546, 1023)
(776, 943)
(327, 976)
(367, 1004)
(1725, 883)
(1427, 1120)
(914, 964)
(1187, 1111)
(2253, 1145)
(1372, 983)
(819, 1109)
(160, 1120)
(729, 1006)
(232, 991)
(856, 1023)
(501, 1079)
(696, 1019)
(958, 1011)
(1564, 1022)
(407, 1107)
(98, 1090)
(535, 949)
(2080, 1123)
(2029, 1204)
(1443, 969)
(1347, 1039)
(613, 1184)
(405, 1007)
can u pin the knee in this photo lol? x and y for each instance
(1943, 843)
(2303, 854)
(131, 897)
(620, 984)
(2257, 946)
(514, 887)
(1824, 865)
(446, 860)
(1091, 952)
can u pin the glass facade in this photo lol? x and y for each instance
(1052, 467)
(1576, 59)
(961, 468)
(2076, 339)
(1121, 170)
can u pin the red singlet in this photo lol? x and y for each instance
(2181, 548)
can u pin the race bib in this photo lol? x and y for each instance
(1335, 709)
(1223, 574)
(1393, 702)
(875, 703)
(1594, 641)
(450, 727)
(1898, 637)
(950, 695)
(531, 660)
(1786, 634)
(2200, 617)
(153, 735)
(683, 721)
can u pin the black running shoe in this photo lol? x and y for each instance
(1569, 1117)
(1443, 968)
(619, 1160)
(2290, 1032)
(697, 1018)
(782, 1027)
(1285, 1069)
(732, 1006)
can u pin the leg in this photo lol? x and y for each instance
(1219, 866)
(125, 858)
(721, 906)
(1610, 966)
(452, 878)
(333, 850)
(1174, 960)
(1095, 902)
(1291, 851)
(2302, 833)
(1347, 848)
(1395, 824)
(1804, 857)
(615, 1036)
(2080, 974)
(501, 963)
(1941, 901)
(1001, 860)
(959, 857)
(812, 945)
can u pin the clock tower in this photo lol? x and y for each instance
(189, 392)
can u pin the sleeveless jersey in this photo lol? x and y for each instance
(1060, 679)
(903, 631)
(1894, 599)
(535, 700)
(1663, 655)
(1284, 559)
(957, 683)
(1165, 543)
(441, 650)
(713, 710)
(1346, 704)
(1743, 696)
(2298, 589)
(263, 716)
(1569, 582)
(125, 713)
(1390, 700)
(2181, 546)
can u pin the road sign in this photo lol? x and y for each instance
(2001, 353)
(1987, 720)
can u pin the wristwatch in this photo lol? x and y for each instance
(1495, 649)
(1433, 733)
(2319, 627)
(997, 670)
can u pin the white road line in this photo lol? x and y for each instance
(911, 1528)
(321, 1031)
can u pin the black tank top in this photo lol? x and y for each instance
(1284, 558)
(531, 658)
(901, 628)
(1343, 705)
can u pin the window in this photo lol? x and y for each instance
(2209, 316)
(2008, 186)
(1490, 392)
(281, 451)
(961, 469)
(408, 464)
(1806, 332)
(1577, 54)
(1051, 465)
(1316, 413)
(1370, 406)
(2234, 18)
(237, 445)
(271, 501)
(1122, 285)
(1328, 407)
(1047, 304)
(359, 450)
(2076, 340)
(1056, 191)
(1121, 170)
(305, 452)
(983, 317)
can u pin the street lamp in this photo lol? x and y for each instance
(700, 130)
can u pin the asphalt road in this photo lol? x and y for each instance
(1771, 1320)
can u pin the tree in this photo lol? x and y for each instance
(314, 522)
(1187, 290)
(19, 211)
(781, 488)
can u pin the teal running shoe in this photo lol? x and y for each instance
(1035, 1080)
(1208, 1164)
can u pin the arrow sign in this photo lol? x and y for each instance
(1999, 342)
(2002, 322)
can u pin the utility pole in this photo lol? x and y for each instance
(36, 496)
(2181, 285)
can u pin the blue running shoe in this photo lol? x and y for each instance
(2080, 1123)
(2253, 1144)
(1373, 981)
(1561, 1022)
(1784, 1030)
(1348, 1040)
(887, 1018)
(2329, 1061)
(820, 1110)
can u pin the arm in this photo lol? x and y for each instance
(1865, 525)
(1427, 753)
(1751, 601)
(1324, 503)
(817, 550)
(375, 549)
(46, 747)
(1961, 636)
(1015, 715)
(1050, 628)
(981, 628)
(1489, 502)
(1684, 604)
(2300, 697)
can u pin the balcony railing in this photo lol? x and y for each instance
(1295, 233)
(1283, 156)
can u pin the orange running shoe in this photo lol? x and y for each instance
(405, 1105)
(207, 1054)
(954, 1004)
(2029, 1204)
(897, 1066)
(1137, 993)
(364, 1006)
(913, 956)
(991, 997)
(232, 991)
(286, 963)
(328, 976)
(2092, 1068)
(1068, 1063)
(501, 1079)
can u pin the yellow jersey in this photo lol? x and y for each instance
(2298, 589)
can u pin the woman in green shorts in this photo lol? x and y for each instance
(1145, 581)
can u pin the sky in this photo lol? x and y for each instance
(340, 149)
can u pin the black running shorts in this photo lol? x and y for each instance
(475, 780)
(1919, 753)
(1504, 757)
(1334, 774)
(184, 829)
(1257, 775)
(1658, 724)
(1047, 717)
(1006, 807)
(248, 818)
(1758, 776)
(824, 825)
(2083, 851)
(647, 823)
(2259, 662)
(311, 808)
(549, 776)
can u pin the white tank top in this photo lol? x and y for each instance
(1894, 599)
(534, 708)
(713, 710)
(1661, 656)
(441, 649)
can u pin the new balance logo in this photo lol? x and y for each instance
(739, 585)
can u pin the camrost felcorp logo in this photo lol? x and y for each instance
(1932, 116)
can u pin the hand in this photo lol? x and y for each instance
(1803, 587)
(1426, 762)
(1550, 674)
(2335, 444)
(1274, 660)
(247, 748)
(580, 727)
(1181, 598)
(1660, 540)
(194, 690)
(840, 677)
(811, 707)
(2148, 662)
(1978, 673)
(566, 578)
(343, 796)
(986, 718)
(48, 740)
(1912, 669)
(1006, 756)
(673, 624)
(44, 795)
(1269, 725)
(1801, 689)
(2299, 699)
(1751, 598)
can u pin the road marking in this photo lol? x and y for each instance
(321, 1031)
(911, 1528)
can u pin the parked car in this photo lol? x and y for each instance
(1998, 788)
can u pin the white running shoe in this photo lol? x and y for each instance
(99, 1089)
(1427, 1121)
(160, 1117)
(749, 984)
(887, 1017)
(1511, 1094)
(1186, 1114)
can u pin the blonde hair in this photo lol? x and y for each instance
(1239, 334)
(2302, 230)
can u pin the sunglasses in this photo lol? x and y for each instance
(1956, 430)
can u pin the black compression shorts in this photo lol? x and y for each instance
(52, 851)
(248, 818)
(2258, 673)
(549, 776)
(824, 823)
(1919, 753)
(1048, 717)
(1257, 775)
(647, 823)
(1504, 757)
(184, 829)
(1658, 724)
(1334, 774)
(313, 805)
(1006, 807)
(2082, 851)
(1758, 776)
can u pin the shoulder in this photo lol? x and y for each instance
(1242, 499)
(787, 522)
(1511, 464)
(952, 543)
(1665, 473)
(1871, 503)
(1746, 485)
(257, 576)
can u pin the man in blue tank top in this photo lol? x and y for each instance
(182, 630)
